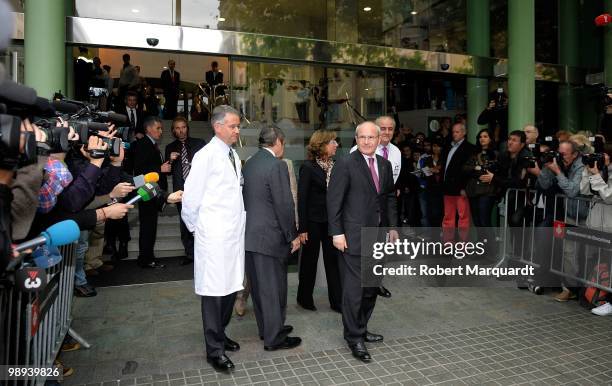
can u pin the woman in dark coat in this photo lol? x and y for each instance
(312, 215)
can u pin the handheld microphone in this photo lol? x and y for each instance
(145, 193)
(62, 233)
(143, 179)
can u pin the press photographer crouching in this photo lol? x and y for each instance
(595, 182)
(560, 173)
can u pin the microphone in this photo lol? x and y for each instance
(62, 233)
(14, 92)
(144, 193)
(112, 116)
(603, 19)
(143, 179)
(66, 107)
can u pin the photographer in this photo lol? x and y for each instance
(561, 173)
(595, 181)
(482, 194)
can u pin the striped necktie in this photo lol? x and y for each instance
(186, 166)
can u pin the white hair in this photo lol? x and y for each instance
(359, 126)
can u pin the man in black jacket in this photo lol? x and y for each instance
(180, 154)
(270, 237)
(147, 159)
(360, 194)
(170, 80)
(454, 181)
(134, 114)
(214, 76)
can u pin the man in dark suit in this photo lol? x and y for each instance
(147, 159)
(134, 114)
(455, 179)
(360, 194)
(170, 80)
(180, 154)
(270, 237)
(214, 76)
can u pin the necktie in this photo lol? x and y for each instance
(385, 152)
(374, 175)
(132, 118)
(185, 161)
(231, 157)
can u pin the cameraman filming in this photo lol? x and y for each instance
(496, 115)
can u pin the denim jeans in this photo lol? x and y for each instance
(80, 278)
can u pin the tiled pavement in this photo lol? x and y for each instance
(151, 335)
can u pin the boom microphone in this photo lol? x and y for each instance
(145, 193)
(62, 233)
(16, 93)
(143, 179)
(66, 107)
(112, 116)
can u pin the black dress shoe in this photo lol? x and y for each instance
(382, 291)
(337, 309)
(222, 363)
(122, 252)
(230, 345)
(360, 352)
(372, 338)
(310, 307)
(286, 329)
(289, 343)
(153, 264)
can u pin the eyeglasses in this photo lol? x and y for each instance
(367, 137)
(333, 142)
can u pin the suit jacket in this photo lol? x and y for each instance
(169, 85)
(312, 193)
(192, 145)
(352, 200)
(270, 216)
(148, 159)
(455, 177)
(139, 120)
(214, 81)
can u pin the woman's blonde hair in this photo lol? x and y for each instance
(317, 143)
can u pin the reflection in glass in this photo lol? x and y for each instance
(144, 11)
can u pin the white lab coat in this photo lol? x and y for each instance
(214, 210)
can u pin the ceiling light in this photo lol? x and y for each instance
(221, 19)
(367, 9)
(135, 10)
(413, 12)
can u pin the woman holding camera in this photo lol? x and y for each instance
(482, 194)
(312, 216)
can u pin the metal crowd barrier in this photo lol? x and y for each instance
(33, 325)
(560, 236)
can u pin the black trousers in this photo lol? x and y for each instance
(268, 278)
(357, 302)
(147, 215)
(317, 235)
(170, 107)
(186, 236)
(216, 315)
(117, 230)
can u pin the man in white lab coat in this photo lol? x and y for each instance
(213, 208)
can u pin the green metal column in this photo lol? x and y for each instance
(569, 116)
(478, 43)
(44, 43)
(521, 63)
(608, 46)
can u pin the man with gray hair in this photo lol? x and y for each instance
(214, 210)
(271, 236)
